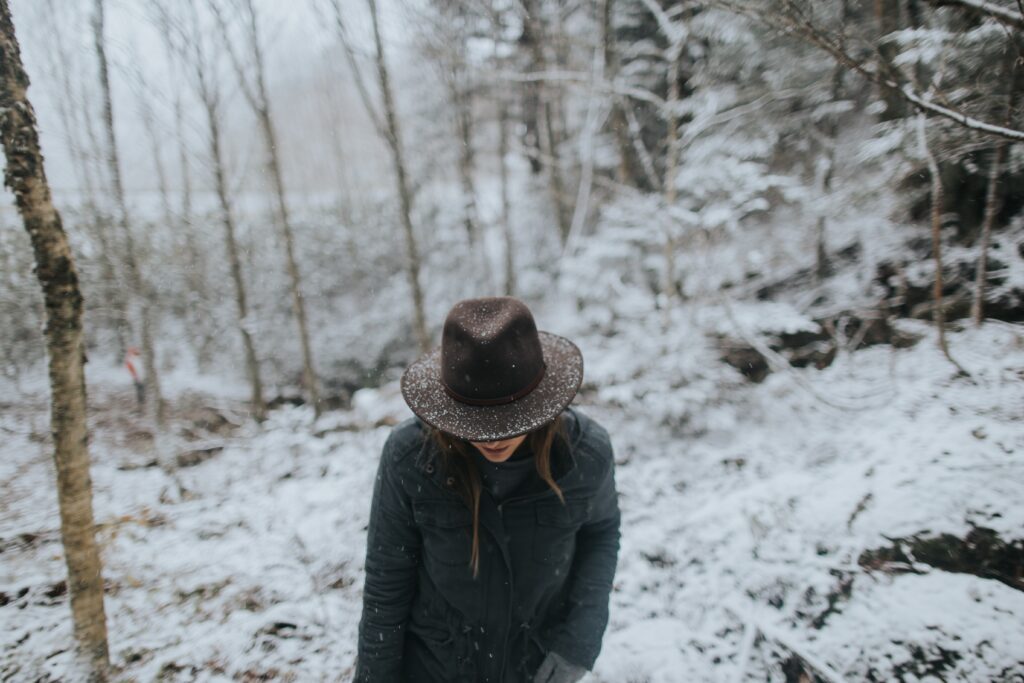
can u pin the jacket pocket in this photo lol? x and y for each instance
(447, 530)
(554, 538)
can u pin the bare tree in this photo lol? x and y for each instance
(675, 32)
(72, 107)
(460, 93)
(938, 310)
(446, 32)
(196, 274)
(992, 198)
(254, 88)
(992, 206)
(626, 171)
(55, 268)
(503, 133)
(191, 48)
(829, 131)
(534, 38)
(394, 137)
(144, 96)
(388, 128)
(140, 294)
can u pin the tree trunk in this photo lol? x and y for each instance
(197, 315)
(209, 97)
(149, 124)
(531, 109)
(506, 217)
(261, 105)
(992, 206)
(140, 293)
(55, 268)
(550, 149)
(252, 364)
(548, 139)
(671, 165)
(462, 107)
(196, 272)
(499, 95)
(591, 124)
(887, 17)
(405, 198)
(992, 198)
(830, 130)
(627, 170)
(939, 311)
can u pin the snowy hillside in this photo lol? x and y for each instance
(783, 524)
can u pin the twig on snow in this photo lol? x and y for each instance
(821, 668)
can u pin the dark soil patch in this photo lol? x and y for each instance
(198, 456)
(982, 553)
(851, 329)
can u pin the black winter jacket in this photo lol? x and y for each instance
(546, 569)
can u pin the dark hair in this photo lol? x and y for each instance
(458, 462)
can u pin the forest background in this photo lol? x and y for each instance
(750, 214)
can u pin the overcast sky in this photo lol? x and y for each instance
(320, 118)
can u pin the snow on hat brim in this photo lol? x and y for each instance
(426, 396)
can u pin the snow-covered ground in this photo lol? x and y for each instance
(744, 532)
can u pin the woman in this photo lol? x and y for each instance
(494, 526)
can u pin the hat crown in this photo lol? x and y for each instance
(490, 351)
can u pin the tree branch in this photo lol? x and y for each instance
(236, 61)
(350, 55)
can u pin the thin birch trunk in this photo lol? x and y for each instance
(55, 268)
(140, 294)
(405, 198)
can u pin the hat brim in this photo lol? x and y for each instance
(425, 395)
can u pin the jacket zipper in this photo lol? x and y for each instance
(511, 580)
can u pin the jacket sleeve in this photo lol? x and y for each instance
(578, 637)
(392, 557)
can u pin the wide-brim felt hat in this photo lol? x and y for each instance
(495, 376)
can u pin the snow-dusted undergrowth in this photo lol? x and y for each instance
(742, 529)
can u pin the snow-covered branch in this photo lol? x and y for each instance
(997, 12)
(794, 21)
(613, 87)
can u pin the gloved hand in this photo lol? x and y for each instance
(557, 669)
